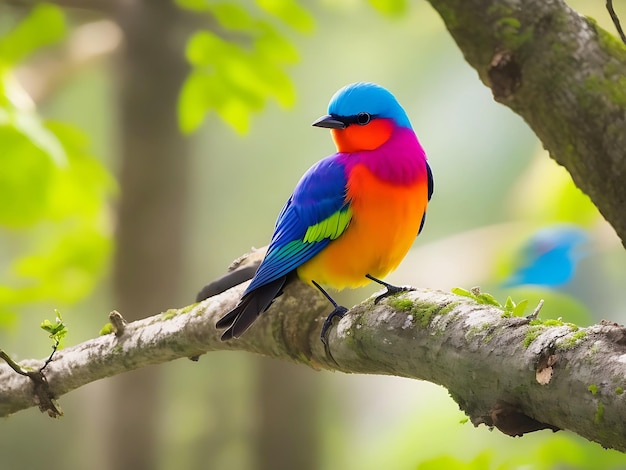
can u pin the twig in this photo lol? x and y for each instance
(13, 365)
(615, 18)
(535, 314)
(118, 322)
(43, 396)
(55, 346)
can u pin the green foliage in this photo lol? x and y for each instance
(66, 239)
(556, 304)
(290, 12)
(107, 329)
(56, 330)
(481, 461)
(44, 25)
(238, 66)
(510, 308)
(390, 7)
(21, 157)
(30, 152)
(55, 237)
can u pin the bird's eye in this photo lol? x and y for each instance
(363, 118)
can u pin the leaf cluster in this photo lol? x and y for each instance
(240, 63)
(510, 308)
(55, 235)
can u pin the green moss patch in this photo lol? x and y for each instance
(599, 413)
(532, 334)
(572, 340)
(422, 312)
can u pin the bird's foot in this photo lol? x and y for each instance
(338, 312)
(391, 289)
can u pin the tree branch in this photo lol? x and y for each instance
(564, 75)
(615, 19)
(509, 372)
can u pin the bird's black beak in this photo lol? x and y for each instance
(329, 122)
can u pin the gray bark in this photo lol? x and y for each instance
(564, 75)
(508, 372)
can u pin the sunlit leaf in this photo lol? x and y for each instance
(107, 329)
(192, 103)
(29, 124)
(236, 74)
(56, 330)
(556, 305)
(390, 7)
(274, 47)
(274, 82)
(83, 186)
(70, 237)
(520, 308)
(236, 113)
(32, 127)
(462, 292)
(202, 48)
(43, 26)
(487, 299)
(290, 12)
(66, 269)
(25, 179)
(233, 16)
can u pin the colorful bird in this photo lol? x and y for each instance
(550, 257)
(353, 215)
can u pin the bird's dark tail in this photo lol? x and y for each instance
(228, 280)
(249, 308)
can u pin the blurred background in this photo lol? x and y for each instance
(145, 145)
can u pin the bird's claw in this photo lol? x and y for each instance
(339, 311)
(391, 290)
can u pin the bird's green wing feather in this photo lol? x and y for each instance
(331, 227)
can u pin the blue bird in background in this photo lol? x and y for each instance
(550, 257)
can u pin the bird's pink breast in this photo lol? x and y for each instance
(400, 160)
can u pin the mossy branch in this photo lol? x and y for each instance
(564, 75)
(513, 373)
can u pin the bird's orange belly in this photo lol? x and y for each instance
(385, 221)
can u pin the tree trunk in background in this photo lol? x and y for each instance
(288, 433)
(150, 249)
(153, 180)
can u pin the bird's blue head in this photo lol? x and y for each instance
(362, 116)
(370, 98)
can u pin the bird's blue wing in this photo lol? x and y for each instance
(316, 213)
